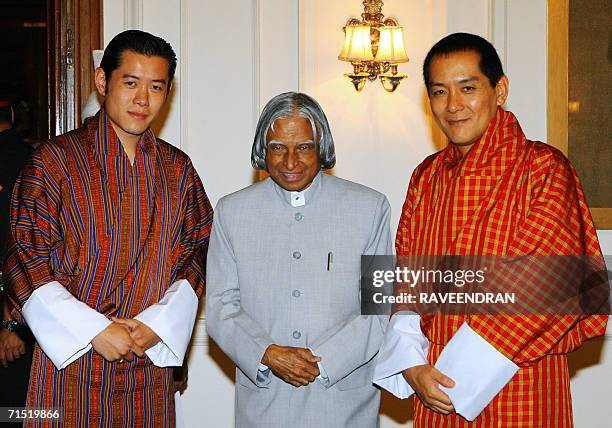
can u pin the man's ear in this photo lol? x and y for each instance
(501, 90)
(100, 81)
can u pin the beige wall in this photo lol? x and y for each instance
(235, 54)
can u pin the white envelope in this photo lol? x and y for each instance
(479, 370)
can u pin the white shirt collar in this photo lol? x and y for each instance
(301, 198)
(298, 199)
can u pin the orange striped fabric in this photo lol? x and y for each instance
(507, 196)
(116, 236)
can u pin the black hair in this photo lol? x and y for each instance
(139, 42)
(490, 64)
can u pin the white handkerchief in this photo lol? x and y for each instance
(479, 370)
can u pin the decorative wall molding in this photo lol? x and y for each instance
(472, 16)
(199, 338)
(133, 14)
(498, 28)
(277, 49)
(257, 59)
(305, 17)
(440, 19)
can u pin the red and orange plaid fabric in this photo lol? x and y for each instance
(507, 196)
(116, 236)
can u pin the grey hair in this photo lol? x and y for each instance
(292, 104)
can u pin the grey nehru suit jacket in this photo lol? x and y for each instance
(268, 282)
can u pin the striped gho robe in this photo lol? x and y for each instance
(508, 196)
(117, 237)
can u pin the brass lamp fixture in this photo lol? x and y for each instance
(374, 46)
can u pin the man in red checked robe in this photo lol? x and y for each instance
(491, 192)
(109, 231)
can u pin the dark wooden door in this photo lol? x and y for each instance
(74, 31)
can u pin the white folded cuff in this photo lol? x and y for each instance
(263, 375)
(479, 370)
(172, 319)
(404, 346)
(63, 325)
(323, 377)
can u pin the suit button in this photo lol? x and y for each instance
(297, 254)
(297, 334)
(298, 216)
(296, 293)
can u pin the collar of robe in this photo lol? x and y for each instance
(497, 146)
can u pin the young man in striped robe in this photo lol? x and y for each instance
(490, 192)
(109, 230)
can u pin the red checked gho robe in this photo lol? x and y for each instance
(116, 236)
(506, 196)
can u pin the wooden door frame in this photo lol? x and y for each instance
(75, 29)
(558, 90)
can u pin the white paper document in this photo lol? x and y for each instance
(479, 370)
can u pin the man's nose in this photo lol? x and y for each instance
(291, 159)
(453, 102)
(142, 96)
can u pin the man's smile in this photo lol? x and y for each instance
(139, 116)
(456, 122)
(292, 176)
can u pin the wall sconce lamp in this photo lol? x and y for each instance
(374, 46)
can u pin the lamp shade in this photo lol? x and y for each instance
(391, 46)
(357, 44)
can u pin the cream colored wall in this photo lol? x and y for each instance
(211, 115)
(379, 137)
(226, 75)
(394, 132)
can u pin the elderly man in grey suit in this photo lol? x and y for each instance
(283, 279)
